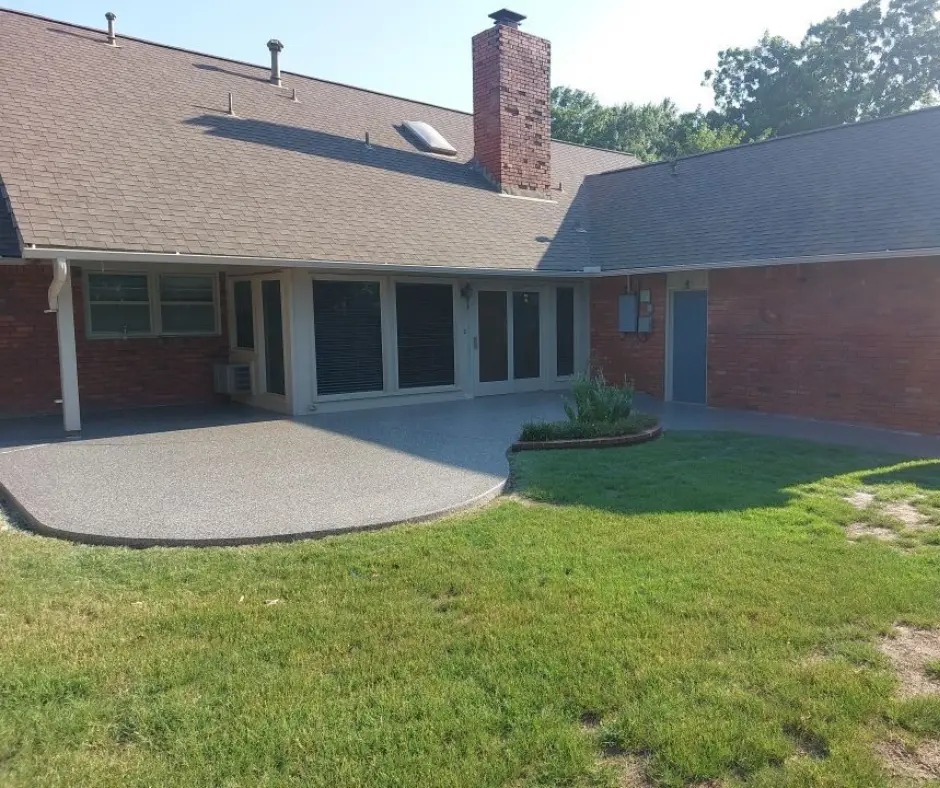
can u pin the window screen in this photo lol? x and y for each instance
(119, 304)
(425, 317)
(525, 335)
(564, 331)
(187, 304)
(244, 316)
(347, 322)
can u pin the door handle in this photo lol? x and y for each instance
(476, 344)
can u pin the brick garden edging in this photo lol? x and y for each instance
(591, 443)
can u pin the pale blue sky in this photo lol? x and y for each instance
(623, 51)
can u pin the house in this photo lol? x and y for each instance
(173, 225)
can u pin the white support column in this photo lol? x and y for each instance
(68, 362)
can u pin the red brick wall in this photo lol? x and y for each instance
(852, 341)
(112, 373)
(512, 125)
(630, 356)
(29, 356)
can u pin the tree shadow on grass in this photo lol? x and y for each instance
(924, 474)
(701, 472)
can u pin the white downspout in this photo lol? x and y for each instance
(60, 272)
(60, 302)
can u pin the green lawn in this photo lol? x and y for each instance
(695, 597)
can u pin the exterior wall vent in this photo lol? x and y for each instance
(429, 138)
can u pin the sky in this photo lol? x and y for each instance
(622, 51)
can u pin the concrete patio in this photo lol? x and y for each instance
(238, 475)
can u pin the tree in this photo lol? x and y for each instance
(863, 63)
(648, 131)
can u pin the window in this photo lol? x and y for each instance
(187, 304)
(347, 325)
(564, 331)
(151, 304)
(244, 315)
(119, 304)
(425, 317)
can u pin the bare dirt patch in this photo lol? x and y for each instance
(858, 530)
(907, 514)
(920, 764)
(861, 499)
(629, 769)
(910, 650)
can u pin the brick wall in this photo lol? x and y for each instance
(29, 356)
(512, 125)
(849, 341)
(112, 373)
(852, 341)
(629, 356)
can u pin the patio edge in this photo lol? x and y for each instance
(33, 525)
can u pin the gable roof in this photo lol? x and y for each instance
(860, 189)
(131, 148)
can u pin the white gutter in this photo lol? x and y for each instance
(888, 254)
(589, 272)
(60, 272)
(102, 256)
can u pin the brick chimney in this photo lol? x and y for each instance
(512, 122)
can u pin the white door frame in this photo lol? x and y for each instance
(511, 384)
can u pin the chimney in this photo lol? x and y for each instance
(275, 47)
(111, 16)
(512, 123)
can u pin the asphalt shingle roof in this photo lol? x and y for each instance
(131, 148)
(863, 188)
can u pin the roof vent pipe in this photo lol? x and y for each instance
(111, 16)
(275, 48)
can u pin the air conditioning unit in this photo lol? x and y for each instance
(232, 378)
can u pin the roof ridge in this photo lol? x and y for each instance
(224, 59)
(173, 48)
(781, 138)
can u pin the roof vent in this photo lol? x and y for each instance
(506, 17)
(429, 138)
(111, 16)
(275, 47)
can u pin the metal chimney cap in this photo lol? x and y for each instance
(274, 45)
(110, 16)
(506, 17)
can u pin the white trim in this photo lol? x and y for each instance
(98, 255)
(673, 285)
(68, 360)
(347, 267)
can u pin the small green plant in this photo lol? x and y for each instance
(932, 669)
(594, 400)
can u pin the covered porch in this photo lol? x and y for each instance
(300, 339)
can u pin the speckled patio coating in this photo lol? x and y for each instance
(237, 475)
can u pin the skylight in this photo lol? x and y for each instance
(429, 138)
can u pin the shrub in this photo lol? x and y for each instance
(571, 430)
(594, 401)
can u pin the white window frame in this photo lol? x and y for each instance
(153, 293)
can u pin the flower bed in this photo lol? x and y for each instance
(638, 428)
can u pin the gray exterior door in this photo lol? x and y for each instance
(689, 340)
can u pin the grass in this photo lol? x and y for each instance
(572, 430)
(695, 597)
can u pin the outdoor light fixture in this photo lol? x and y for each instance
(466, 291)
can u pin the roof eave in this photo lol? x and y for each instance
(334, 266)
